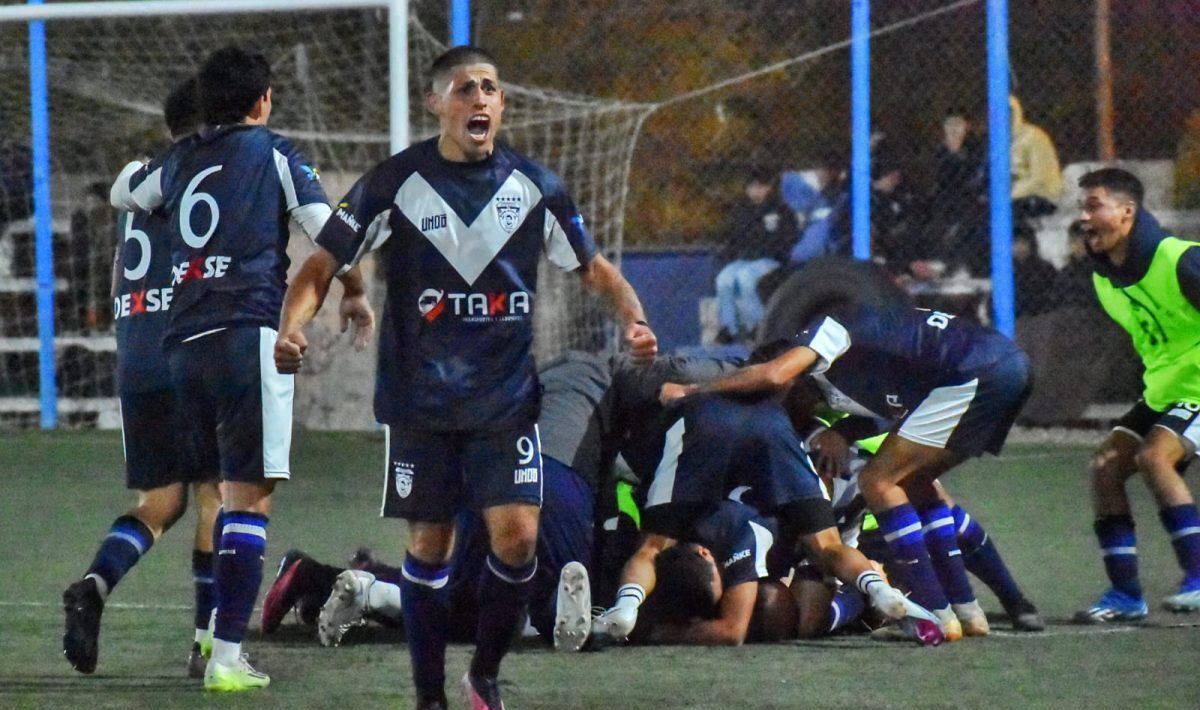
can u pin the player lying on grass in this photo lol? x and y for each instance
(951, 389)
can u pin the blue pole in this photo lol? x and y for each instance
(43, 228)
(460, 22)
(1000, 183)
(860, 128)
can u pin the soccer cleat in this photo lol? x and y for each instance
(921, 631)
(615, 623)
(890, 601)
(1114, 605)
(951, 627)
(81, 637)
(284, 591)
(345, 607)
(481, 693)
(197, 661)
(1183, 602)
(972, 619)
(573, 620)
(235, 677)
(206, 641)
(1024, 616)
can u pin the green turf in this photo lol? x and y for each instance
(62, 490)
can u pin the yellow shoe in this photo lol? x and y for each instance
(972, 619)
(233, 678)
(951, 627)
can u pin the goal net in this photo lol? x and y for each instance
(107, 79)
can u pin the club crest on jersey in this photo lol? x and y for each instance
(431, 303)
(404, 479)
(508, 211)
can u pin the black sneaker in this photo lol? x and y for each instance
(81, 639)
(1024, 616)
(481, 693)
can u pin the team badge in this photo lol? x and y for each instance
(508, 211)
(431, 303)
(404, 477)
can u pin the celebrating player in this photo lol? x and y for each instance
(142, 289)
(464, 219)
(1149, 283)
(229, 192)
(954, 390)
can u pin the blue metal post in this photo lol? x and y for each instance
(860, 127)
(43, 227)
(999, 150)
(460, 22)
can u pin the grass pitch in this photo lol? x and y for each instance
(61, 491)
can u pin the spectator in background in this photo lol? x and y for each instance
(16, 183)
(93, 241)
(1074, 284)
(1034, 278)
(1036, 176)
(895, 225)
(759, 232)
(817, 208)
(958, 203)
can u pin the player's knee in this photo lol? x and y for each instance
(516, 547)
(1156, 460)
(1110, 466)
(159, 513)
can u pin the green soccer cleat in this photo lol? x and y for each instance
(234, 678)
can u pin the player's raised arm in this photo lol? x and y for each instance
(138, 187)
(603, 279)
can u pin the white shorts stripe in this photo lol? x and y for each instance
(387, 465)
(915, 527)
(277, 393)
(255, 530)
(935, 418)
(1112, 551)
(664, 476)
(1185, 532)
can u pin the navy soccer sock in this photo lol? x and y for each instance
(1118, 541)
(127, 540)
(901, 528)
(426, 612)
(503, 595)
(239, 570)
(947, 560)
(1183, 525)
(847, 605)
(983, 559)
(206, 588)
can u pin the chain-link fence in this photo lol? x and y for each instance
(695, 135)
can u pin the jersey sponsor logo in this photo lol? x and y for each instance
(404, 478)
(475, 307)
(736, 556)
(348, 218)
(508, 211)
(211, 267)
(148, 300)
(525, 475)
(437, 221)
(311, 173)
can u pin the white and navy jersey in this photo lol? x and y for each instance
(228, 192)
(741, 541)
(461, 244)
(142, 300)
(884, 362)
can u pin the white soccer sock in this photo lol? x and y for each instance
(867, 579)
(226, 653)
(630, 596)
(384, 598)
(200, 634)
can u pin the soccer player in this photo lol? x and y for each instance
(142, 290)
(229, 192)
(1149, 283)
(953, 390)
(463, 219)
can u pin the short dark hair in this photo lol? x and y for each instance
(760, 174)
(457, 57)
(181, 110)
(1115, 180)
(231, 81)
(684, 583)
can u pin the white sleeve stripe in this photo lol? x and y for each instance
(143, 198)
(312, 217)
(558, 247)
(763, 539)
(831, 342)
(285, 179)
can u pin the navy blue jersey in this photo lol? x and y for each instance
(229, 192)
(461, 243)
(142, 300)
(882, 363)
(741, 541)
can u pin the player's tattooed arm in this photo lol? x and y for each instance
(769, 377)
(602, 278)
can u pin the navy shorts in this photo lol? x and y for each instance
(235, 408)
(720, 445)
(431, 476)
(975, 416)
(1182, 418)
(148, 433)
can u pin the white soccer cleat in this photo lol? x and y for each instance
(972, 619)
(573, 620)
(345, 607)
(235, 677)
(890, 601)
(616, 623)
(1183, 602)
